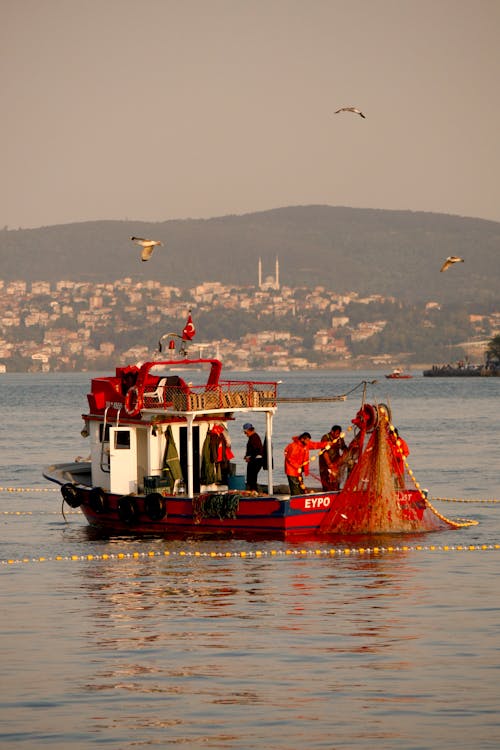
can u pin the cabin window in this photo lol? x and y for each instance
(122, 440)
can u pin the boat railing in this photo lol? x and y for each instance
(227, 394)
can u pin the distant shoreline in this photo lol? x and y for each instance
(464, 371)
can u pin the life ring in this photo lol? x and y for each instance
(71, 495)
(155, 506)
(98, 500)
(133, 401)
(128, 512)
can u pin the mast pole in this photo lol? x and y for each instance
(189, 450)
(269, 435)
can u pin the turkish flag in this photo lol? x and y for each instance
(189, 329)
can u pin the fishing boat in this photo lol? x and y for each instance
(398, 374)
(161, 463)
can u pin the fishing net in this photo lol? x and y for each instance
(380, 494)
(216, 505)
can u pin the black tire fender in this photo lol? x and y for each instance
(155, 506)
(98, 500)
(128, 512)
(71, 495)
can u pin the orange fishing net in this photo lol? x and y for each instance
(379, 495)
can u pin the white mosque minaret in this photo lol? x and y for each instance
(270, 282)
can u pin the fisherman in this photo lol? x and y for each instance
(330, 460)
(253, 456)
(400, 451)
(297, 460)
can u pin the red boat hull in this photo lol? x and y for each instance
(269, 515)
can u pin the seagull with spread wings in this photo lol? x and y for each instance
(450, 260)
(147, 246)
(350, 109)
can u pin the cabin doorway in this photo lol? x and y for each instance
(196, 455)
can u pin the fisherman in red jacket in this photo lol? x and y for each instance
(400, 451)
(297, 460)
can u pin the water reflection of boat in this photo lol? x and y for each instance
(160, 461)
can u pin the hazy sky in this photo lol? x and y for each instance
(165, 109)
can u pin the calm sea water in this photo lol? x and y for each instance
(287, 647)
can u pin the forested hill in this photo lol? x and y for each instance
(371, 251)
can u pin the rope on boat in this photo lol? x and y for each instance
(308, 399)
(338, 552)
(458, 523)
(321, 399)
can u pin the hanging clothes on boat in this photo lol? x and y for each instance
(171, 467)
(216, 455)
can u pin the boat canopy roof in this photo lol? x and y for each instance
(178, 386)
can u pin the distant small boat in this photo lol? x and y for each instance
(398, 374)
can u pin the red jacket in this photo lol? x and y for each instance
(400, 451)
(297, 456)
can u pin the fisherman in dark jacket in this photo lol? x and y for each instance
(253, 456)
(330, 460)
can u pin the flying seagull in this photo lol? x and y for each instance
(147, 246)
(450, 260)
(350, 109)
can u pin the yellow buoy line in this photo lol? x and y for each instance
(464, 500)
(257, 554)
(30, 489)
(39, 512)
